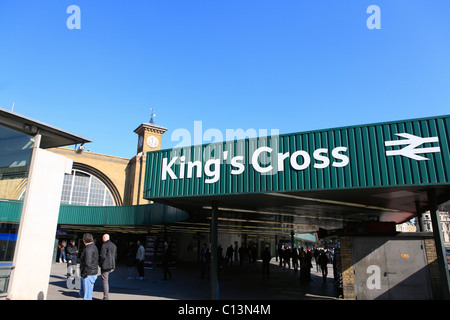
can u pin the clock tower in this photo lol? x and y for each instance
(149, 139)
(149, 136)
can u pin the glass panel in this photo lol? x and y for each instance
(8, 237)
(80, 189)
(97, 193)
(109, 201)
(84, 189)
(4, 279)
(15, 156)
(67, 189)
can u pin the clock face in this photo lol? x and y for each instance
(152, 141)
(141, 141)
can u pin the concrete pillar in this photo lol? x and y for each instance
(36, 235)
(419, 218)
(213, 263)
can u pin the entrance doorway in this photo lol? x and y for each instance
(390, 268)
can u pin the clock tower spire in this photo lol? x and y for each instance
(149, 135)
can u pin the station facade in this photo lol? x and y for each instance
(359, 181)
(342, 184)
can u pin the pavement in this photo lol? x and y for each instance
(235, 283)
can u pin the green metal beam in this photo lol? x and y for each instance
(156, 213)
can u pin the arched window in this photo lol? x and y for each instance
(87, 189)
(82, 188)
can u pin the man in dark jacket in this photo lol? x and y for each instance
(205, 257)
(88, 267)
(323, 262)
(72, 253)
(166, 257)
(108, 256)
(72, 257)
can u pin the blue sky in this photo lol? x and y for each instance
(291, 65)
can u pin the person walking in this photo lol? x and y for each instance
(131, 261)
(88, 267)
(62, 251)
(72, 257)
(108, 257)
(316, 258)
(229, 255)
(323, 262)
(281, 254)
(204, 259)
(303, 265)
(72, 253)
(241, 254)
(254, 254)
(166, 257)
(140, 257)
(294, 257)
(308, 257)
(287, 257)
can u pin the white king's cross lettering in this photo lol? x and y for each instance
(411, 150)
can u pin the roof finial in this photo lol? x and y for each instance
(152, 115)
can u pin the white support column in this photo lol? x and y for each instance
(36, 235)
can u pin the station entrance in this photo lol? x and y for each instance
(350, 182)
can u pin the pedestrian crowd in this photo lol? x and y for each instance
(91, 259)
(300, 259)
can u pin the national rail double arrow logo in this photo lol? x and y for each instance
(412, 142)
